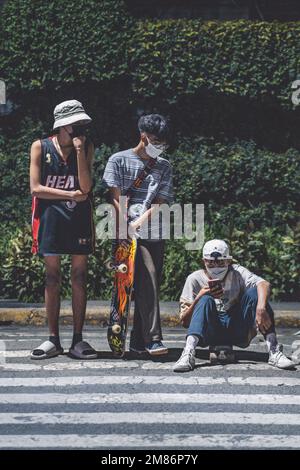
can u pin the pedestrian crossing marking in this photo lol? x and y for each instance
(118, 441)
(114, 364)
(24, 397)
(147, 380)
(231, 418)
(64, 398)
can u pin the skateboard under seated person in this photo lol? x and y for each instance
(62, 220)
(222, 305)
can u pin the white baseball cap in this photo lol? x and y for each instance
(216, 249)
(69, 112)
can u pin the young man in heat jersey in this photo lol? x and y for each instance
(62, 219)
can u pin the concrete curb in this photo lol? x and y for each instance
(15, 313)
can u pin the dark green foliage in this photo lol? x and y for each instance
(254, 59)
(238, 173)
(251, 199)
(54, 43)
(47, 44)
(23, 274)
(230, 78)
(228, 82)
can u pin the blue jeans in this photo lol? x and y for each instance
(235, 327)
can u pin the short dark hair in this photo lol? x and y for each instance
(155, 124)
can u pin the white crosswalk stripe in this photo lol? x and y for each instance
(20, 353)
(147, 380)
(151, 418)
(119, 417)
(119, 404)
(108, 380)
(65, 398)
(115, 364)
(104, 441)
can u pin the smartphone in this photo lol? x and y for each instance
(213, 283)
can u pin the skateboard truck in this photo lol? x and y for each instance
(121, 268)
(221, 354)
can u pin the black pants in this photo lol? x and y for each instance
(148, 271)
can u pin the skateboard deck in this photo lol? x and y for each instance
(122, 264)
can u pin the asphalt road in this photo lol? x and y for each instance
(139, 402)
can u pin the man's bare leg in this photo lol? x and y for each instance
(79, 277)
(52, 301)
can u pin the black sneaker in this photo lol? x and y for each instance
(156, 348)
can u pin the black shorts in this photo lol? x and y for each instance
(63, 227)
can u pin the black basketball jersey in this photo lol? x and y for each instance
(61, 226)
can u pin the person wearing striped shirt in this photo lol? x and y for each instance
(121, 172)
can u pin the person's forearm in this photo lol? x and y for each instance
(187, 314)
(116, 205)
(140, 220)
(84, 174)
(43, 192)
(119, 216)
(263, 293)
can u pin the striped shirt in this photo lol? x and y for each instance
(122, 170)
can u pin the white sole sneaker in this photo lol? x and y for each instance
(159, 352)
(189, 364)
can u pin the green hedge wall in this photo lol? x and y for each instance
(251, 199)
(267, 252)
(223, 79)
(47, 44)
(244, 58)
(53, 43)
(226, 87)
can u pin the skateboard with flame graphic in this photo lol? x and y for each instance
(123, 267)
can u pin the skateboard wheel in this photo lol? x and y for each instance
(213, 357)
(116, 329)
(222, 356)
(122, 268)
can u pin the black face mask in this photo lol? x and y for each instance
(78, 131)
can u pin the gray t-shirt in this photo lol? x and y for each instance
(122, 170)
(237, 281)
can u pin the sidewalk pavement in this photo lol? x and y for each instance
(287, 314)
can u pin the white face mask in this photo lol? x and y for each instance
(217, 273)
(154, 151)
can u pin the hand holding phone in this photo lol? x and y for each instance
(216, 288)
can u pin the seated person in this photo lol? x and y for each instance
(228, 312)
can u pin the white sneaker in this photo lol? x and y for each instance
(278, 359)
(186, 362)
(296, 356)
